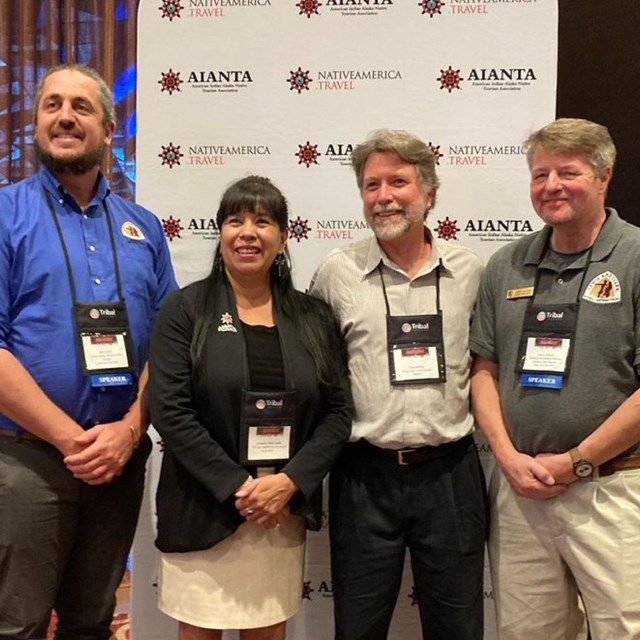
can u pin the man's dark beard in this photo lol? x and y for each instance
(76, 166)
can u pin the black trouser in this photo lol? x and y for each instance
(437, 509)
(63, 543)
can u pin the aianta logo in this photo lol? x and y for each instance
(309, 7)
(170, 155)
(431, 7)
(435, 149)
(170, 81)
(359, 7)
(172, 228)
(447, 229)
(220, 80)
(339, 152)
(307, 590)
(299, 80)
(171, 9)
(449, 79)
(308, 154)
(299, 229)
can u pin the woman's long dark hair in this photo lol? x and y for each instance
(256, 194)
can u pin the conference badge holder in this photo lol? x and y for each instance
(416, 349)
(105, 342)
(546, 345)
(267, 421)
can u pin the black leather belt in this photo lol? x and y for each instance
(619, 464)
(18, 435)
(418, 455)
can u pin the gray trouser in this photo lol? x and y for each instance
(63, 543)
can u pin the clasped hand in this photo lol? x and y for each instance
(103, 451)
(264, 501)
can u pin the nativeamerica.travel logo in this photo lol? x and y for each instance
(172, 9)
(471, 7)
(487, 79)
(300, 80)
(460, 155)
(331, 229)
(212, 155)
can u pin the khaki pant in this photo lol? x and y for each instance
(545, 554)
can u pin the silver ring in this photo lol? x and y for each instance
(249, 512)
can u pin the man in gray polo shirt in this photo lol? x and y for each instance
(556, 338)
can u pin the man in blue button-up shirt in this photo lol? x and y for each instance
(72, 410)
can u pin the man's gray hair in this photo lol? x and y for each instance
(106, 95)
(571, 135)
(407, 146)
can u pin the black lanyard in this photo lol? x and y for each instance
(384, 289)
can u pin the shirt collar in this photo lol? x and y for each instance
(53, 186)
(376, 255)
(607, 239)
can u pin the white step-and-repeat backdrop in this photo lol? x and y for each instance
(286, 89)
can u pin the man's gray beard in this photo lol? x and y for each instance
(76, 166)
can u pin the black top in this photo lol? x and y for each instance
(196, 410)
(266, 368)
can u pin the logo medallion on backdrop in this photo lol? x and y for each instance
(299, 80)
(170, 155)
(299, 229)
(172, 228)
(431, 7)
(449, 79)
(307, 154)
(170, 81)
(447, 229)
(435, 149)
(309, 7)
(171, 9)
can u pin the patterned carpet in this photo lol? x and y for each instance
(121, 629)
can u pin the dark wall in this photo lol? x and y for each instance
(599, 79)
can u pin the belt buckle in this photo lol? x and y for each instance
(401, 453)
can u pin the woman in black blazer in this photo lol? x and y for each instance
(250, 393)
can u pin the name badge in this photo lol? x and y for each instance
(267, 421)
(416, 349)
(103, 352)
(547, 354)
(104, 339)
(415, 363)
(546, 345)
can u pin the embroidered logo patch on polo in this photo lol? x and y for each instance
(132, 231)
(603, 289)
